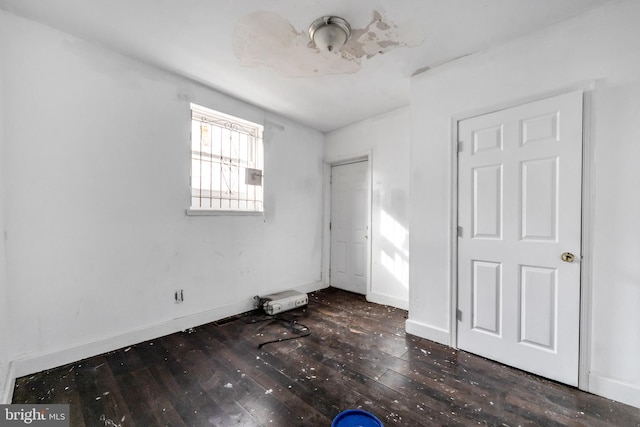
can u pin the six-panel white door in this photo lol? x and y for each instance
(519, 210)
(349, 218)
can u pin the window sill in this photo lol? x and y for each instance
(206, 212)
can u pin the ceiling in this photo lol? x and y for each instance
(209, 40)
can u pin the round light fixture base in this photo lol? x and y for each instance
(329, 33)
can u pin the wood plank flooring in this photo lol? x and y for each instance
(357, 356)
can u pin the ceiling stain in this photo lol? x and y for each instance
(267, 39)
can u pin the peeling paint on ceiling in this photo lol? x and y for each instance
(267, 39)
(194, 39)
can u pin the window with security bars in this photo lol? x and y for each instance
(226, 162)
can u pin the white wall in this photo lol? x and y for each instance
(600, 47)
(97, 160)
(4, 318)
(386, 138)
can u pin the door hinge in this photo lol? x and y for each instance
(329, 272)
(460, 145)
(459, 231)
(329, 226)
(459, 315)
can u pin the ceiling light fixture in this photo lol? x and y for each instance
(329, 33)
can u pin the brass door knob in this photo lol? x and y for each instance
(568, 257)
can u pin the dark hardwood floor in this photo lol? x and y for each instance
(357, 356)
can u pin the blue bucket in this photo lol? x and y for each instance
(356, 418)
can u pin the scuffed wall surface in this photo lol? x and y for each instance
(599, 47)
(97, 154)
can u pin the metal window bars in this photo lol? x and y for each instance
(226, 162)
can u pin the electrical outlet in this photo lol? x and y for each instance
(179, 296)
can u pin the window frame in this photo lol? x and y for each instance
(231, 124)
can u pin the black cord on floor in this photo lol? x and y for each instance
(293, 325)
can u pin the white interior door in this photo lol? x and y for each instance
(349, 229)
(519, 210)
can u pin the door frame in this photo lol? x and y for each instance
(363, 156)
(587, 202)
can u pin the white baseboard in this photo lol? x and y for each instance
(429, 332)
(614, 390)
(62, 356)
(600, 385)
(388, 300)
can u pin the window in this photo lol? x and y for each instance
(226, 162)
